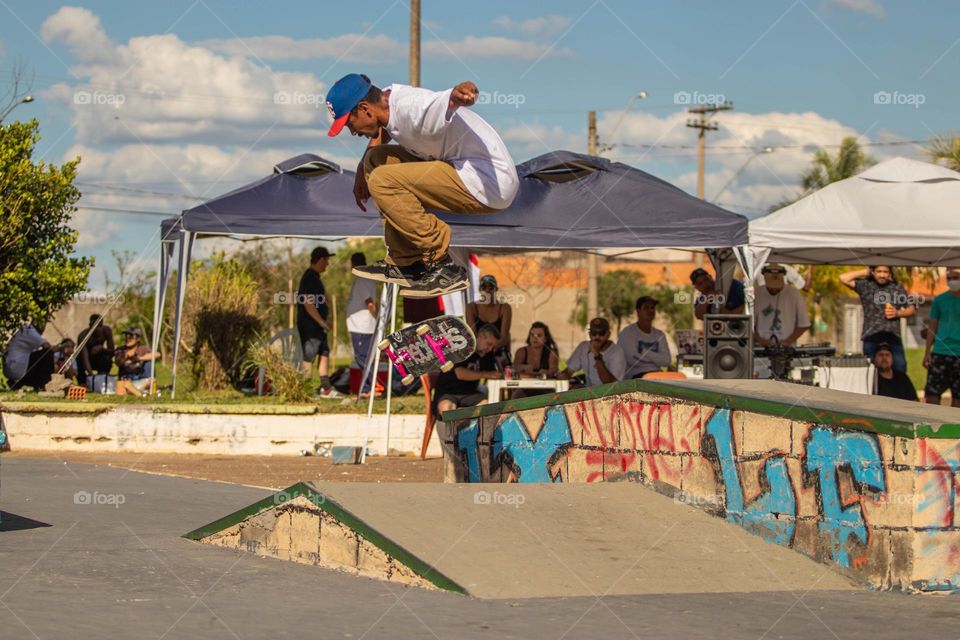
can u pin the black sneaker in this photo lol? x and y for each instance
(382, 271)
(441, 278)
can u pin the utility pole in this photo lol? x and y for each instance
(414, 43)
(592, 267)
(702, 122)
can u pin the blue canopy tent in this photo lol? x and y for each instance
(566, 201)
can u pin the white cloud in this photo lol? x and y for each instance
(529, 140)
(534, 26)
(158, 88)
(348, 47)
(764, 181)
(472, 47)
(870, 7)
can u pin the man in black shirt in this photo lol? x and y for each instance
(459, 386)
(312, 323)
(890, 382)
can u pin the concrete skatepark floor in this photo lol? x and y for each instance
(92, 551)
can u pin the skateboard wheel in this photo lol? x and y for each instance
(383, 344)
(446, 366)
(423, 329)
(407, 379)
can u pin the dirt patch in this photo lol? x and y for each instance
(263, 471)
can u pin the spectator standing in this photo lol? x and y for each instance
(884, 302)
(942, 356)
(644, 346)
(361, 314)
(490, 311)
(780, 312)
(312, 325)
(29, 359)
(96, 354)
(460, 387)
(891, 383)
(601, 360)
(710, 299)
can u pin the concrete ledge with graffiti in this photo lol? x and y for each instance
(865, 484)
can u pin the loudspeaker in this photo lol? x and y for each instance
(727, 346)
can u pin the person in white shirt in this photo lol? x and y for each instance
(601, 360)
(29, 359)
(446, 158)
(644, 346)
(361, 313)
(780, 312)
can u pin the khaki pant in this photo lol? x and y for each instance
(401, 185)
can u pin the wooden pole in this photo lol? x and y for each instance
(414, 43)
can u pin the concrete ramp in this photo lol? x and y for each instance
(511, 541)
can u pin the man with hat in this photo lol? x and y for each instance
(710, 299)
(446, 158)
(644, 346)
(780, 312)
(601, 360)
(890, 382)
(312, 325)
(134, 359)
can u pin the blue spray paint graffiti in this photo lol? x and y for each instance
(778, 497)
(531, 458)
(827, 452)
(467, 445)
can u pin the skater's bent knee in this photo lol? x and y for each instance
(379, 180)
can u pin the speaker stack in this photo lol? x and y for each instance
(728, 347)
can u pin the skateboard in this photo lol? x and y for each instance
(431, 345)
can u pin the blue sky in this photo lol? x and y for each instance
(183, 94)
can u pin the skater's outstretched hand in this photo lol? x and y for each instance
(464, 95)
(360, 190)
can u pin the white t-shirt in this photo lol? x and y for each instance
(779, 314)
(359, 318)
(644, 351)
(582, 359)
(24, 342)
(422, 123)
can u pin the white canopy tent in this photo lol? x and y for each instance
(900, 212)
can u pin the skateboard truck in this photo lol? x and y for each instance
(397, 359)
(437, 346)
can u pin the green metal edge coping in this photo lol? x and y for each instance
(327, 505)
(859, 422)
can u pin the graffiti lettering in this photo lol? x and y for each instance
(531, 459)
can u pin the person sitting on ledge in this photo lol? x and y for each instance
(601, 360)
(459, 387)
(134, 360)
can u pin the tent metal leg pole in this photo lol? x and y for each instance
(381, 325)
(393, 327)
(373, 359)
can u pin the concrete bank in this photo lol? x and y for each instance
(228, 429)
(862, 483)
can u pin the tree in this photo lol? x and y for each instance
(825, 169)
(38, 274)
(945, 151)
(617, 293)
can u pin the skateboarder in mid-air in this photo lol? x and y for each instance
(446, 158)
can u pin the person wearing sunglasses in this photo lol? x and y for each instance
(601, 360)
(780, 312)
